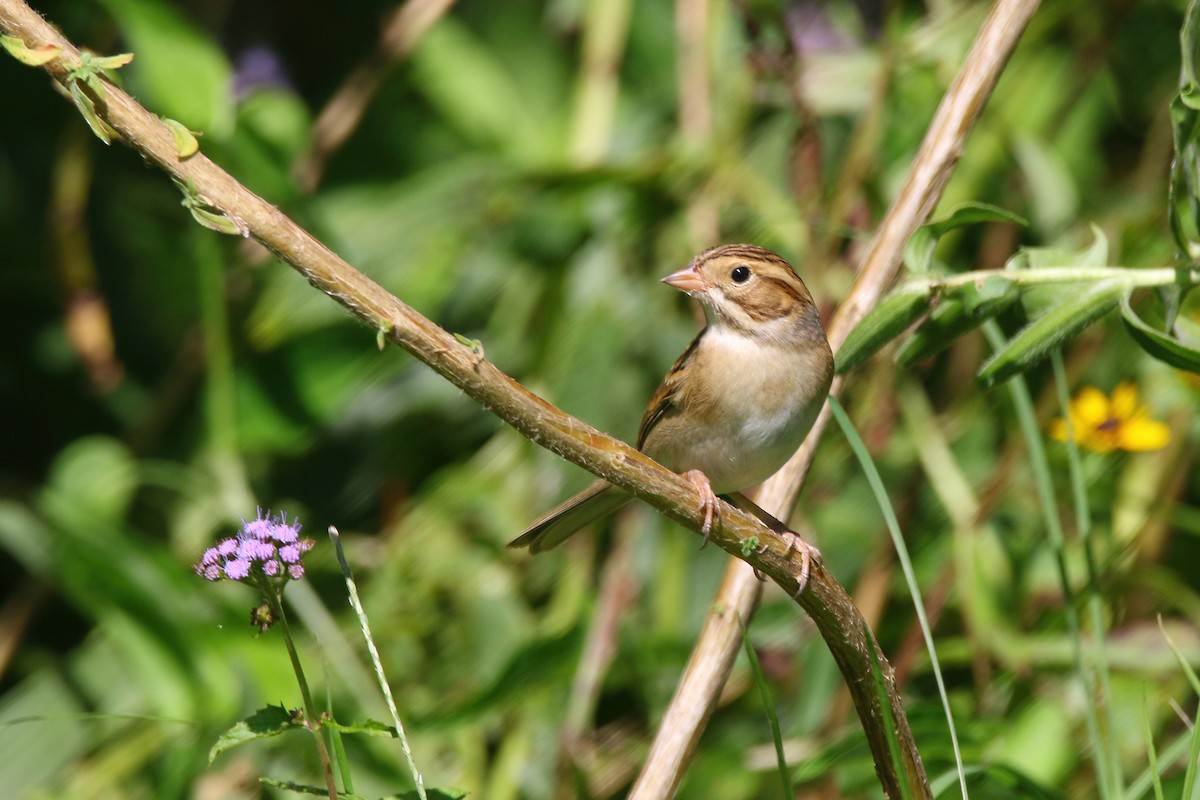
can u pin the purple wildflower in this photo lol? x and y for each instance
(257, 528)
(237, 568)
(267, 546)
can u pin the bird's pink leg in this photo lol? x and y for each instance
(708, 500)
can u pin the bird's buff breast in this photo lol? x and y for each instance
(756, 416)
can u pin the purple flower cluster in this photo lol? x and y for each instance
(270, 546)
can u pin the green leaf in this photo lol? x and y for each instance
(1165, 348)
(95, 474)
(371, 727)
(966, 310)
(1037, 339)
(883, 323)
(918, 253)
(1093, 255)
(111, 62)
(262, 724)
(321, 791)
(30, 56)
(216, 221)
(87, 110)
(186, 143)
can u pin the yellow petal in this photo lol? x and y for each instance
(1058, 430)
(1090, 408)
(1124, 401)
(1144, 434)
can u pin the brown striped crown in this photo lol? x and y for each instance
(755, 291)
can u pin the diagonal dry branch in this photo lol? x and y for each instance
(740, 592)
(736, 532)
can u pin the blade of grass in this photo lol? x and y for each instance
(1018, 390)
(360, 612)
(756, 670)
(1151, 755)
(1083, 522)
(893, 526)
(1190, 787)
(1150, 776)
(889, 722)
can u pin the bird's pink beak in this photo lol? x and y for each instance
(686, 280)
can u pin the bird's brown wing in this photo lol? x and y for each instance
(664, 401)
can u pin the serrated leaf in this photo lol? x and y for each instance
(1049, 331)
(262, 724)
(883, 323)
(1162, 346)
(30, 56)
(186, 143)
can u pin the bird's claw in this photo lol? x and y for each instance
(708, 501)
(808, 553)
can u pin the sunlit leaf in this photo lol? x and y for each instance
(186, 143)
(262, 724)
(111, 62)
(31, 56)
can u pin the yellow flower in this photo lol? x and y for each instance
(1105, 424)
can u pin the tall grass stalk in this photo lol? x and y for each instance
(893, 526)
(1019, 392)
(1083, 523)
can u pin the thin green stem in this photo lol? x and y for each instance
(361, 613)
(1040, 465)
(1160, 276)
(311, 718)
(910, 577)
(1083, 522)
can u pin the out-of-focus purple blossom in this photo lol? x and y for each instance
(266, 546)
(258, 67)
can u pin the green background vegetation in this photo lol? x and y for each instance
(470, 191)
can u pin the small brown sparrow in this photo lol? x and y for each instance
(737, 403)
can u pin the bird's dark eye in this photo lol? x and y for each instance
(740, 274)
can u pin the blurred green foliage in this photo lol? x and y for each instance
(160, 381)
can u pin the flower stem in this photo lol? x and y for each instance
(312, 720)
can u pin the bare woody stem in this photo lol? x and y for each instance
(830, 607)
